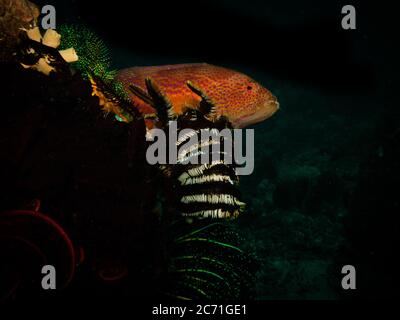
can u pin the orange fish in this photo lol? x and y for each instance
(236, 96)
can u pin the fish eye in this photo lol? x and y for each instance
(249, 87)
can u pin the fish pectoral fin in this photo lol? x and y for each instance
(207, 106)
(161, 103)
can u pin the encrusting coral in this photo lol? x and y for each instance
(14, 15)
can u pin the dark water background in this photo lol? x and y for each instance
(324, 192)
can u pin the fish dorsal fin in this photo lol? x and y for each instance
(207, 106)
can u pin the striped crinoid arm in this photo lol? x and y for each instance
(205, 189)
(203, 176)
(205, 258)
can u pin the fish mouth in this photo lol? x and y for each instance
(264, 112)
